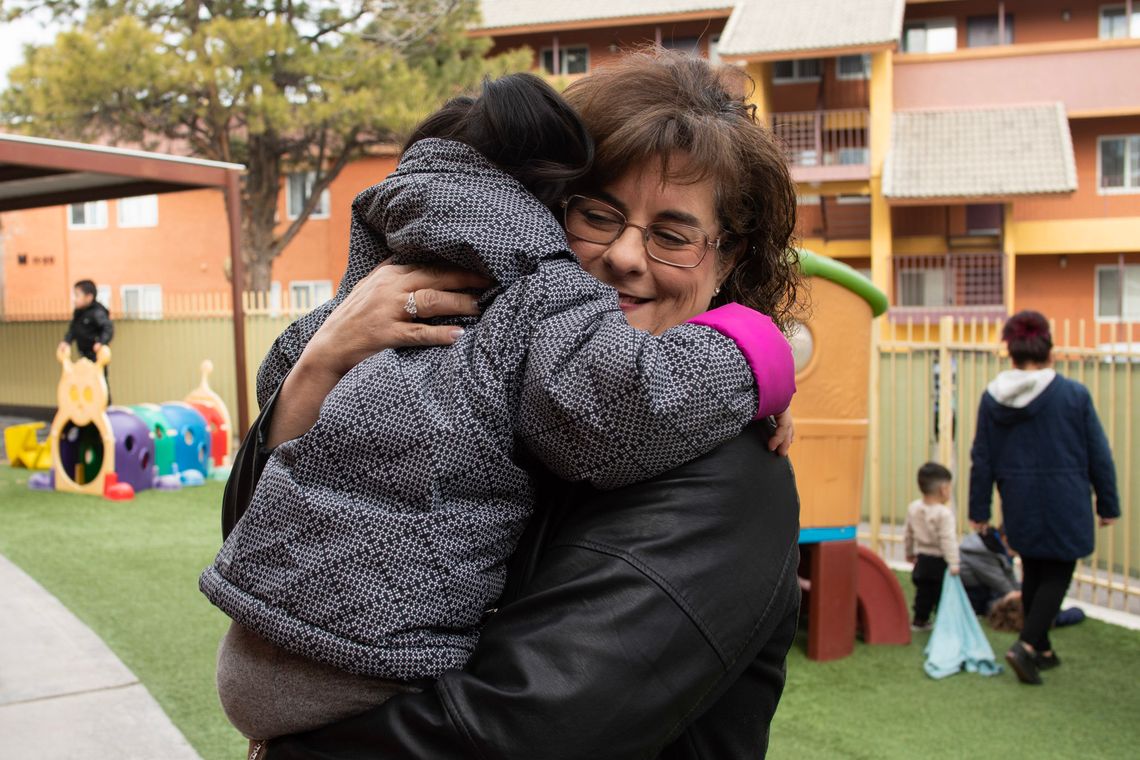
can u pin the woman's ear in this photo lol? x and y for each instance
(727, 260)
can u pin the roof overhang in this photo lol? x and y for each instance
(37, 172)
(979, 155)
(759, 30)
(600, 23)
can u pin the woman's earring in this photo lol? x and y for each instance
(717, 291)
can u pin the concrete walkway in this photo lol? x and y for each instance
(63, 693)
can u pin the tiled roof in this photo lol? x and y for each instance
(508, 13)
(768, 27)
(980, 152)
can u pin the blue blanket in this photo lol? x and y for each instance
(957, 641)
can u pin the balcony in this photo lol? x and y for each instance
(1088, 76)
(952, 284)
(825, 146)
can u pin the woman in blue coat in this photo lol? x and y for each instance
(1040, 441)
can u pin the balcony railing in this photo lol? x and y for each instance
(958, 284)
(825, 144)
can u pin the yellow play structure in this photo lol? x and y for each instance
(82, 398)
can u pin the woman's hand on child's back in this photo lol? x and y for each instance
(374, 316)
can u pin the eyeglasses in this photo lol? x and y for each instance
(678, 245)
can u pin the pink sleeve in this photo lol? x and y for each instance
(765, 349)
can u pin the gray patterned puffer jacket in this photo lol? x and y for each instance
(376, 540)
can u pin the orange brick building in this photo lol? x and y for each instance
(975, 156)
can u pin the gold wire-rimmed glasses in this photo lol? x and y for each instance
(672, 243)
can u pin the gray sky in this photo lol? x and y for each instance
(13, 37)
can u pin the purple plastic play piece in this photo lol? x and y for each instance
(134, 449)
(42, 481)
(168, 482)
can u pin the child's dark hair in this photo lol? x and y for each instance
(931, 475)
(1028, 337)
(87, 287)
(520, 124)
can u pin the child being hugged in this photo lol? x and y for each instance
(931, 541)
(374, 543)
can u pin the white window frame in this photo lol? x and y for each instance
(714, 50)
(99, 210)
(864, 74)
(149, 297)
(562, 49)
(146, 208)
(808, 199)
(797, 76)
(1129, 316)
(852, 200)
(1127, 189)
(309, 178)
(103, 295)
(1133, 24)
(926, 23)
(315, 288)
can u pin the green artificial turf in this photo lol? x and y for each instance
(129, 570)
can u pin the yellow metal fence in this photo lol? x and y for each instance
(929, 378)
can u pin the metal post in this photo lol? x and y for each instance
(237, 286)
(945, 392)
(874, 414)
(1001, 23)
(554, 57)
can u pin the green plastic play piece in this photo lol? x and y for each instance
(815, 265)
(161, 432)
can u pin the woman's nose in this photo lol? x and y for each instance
(627, 254)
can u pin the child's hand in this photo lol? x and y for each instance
(911, 558)
(954, 571)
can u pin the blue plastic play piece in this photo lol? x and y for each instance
(192, 439)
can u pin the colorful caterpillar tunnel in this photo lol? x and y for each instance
(118, 451)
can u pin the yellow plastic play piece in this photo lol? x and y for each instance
(23, 449)
(206, 396)
(82, 397)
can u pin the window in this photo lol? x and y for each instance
(799, 70)
(853, 66)
(853, 156)
(103, 295)
(309, 294)
(982, 31)
(1114, 24)
(299, 187)
(810, 199)
(141, 301)
(922, 287)
(1119, 164)
(690, 45)
(930, 36)
(138, 212)
(1109, 303)
(87, 216)
(571, 60)
(853, 200)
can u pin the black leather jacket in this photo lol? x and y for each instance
(652, 621)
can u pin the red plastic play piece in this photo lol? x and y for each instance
(116, 491)
(883, 614)
(831, 603)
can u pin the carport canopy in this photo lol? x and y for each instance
(37, 172)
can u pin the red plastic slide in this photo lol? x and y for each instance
(883, 614)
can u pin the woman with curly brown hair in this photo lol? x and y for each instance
(651, 620)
